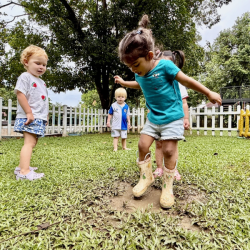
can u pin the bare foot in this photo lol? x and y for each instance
(126, 148)
(115, 150)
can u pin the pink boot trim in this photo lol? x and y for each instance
(158, 173)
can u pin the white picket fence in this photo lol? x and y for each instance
(215, 119)
(69, 120)
(66, 120)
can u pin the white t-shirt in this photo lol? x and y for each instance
(183, 91)
(36, 93)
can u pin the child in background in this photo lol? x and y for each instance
(33, 108)
(178, 57)
(157, 78)
(119, 111)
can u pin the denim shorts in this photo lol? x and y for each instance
(37, 127)
(171, 131)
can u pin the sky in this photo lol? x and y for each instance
(229, 14)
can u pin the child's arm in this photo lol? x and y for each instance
(186, 118)
(128, 121)
(108, 121)
(25, 106)
(128, 84)
(195, 85)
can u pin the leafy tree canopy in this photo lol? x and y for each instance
(81, 38)
(227, 60)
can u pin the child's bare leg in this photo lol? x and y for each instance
(124, 145)
(115, 143)
(159, 159)
(158, 154)
(30, 141)
(170, 152)
(144, 144)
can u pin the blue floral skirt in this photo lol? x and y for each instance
(37, 127)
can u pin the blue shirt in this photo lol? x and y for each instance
(119, 116)
(162, 94)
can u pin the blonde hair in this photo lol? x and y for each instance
(121, 91)
(31, 50)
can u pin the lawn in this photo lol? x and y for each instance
(73, 208)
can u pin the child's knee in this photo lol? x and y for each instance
(142, 147)
(168, 152)
(158, 144)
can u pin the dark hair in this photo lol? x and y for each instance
(177, 56)
(137, 43)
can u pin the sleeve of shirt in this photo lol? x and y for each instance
(171, 69)
(22, 84)
(183, 90)
(111, 110)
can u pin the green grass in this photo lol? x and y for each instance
(70, 205)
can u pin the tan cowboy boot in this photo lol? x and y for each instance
(167, 196)
(146, 177)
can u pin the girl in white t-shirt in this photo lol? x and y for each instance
(33, 108)
(178, 57)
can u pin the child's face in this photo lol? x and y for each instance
(142, 65)
(120, 99)
(36, 65)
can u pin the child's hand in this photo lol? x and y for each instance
(30, 118)
(129, 126)
(108, 124)
(119, 80)
(214, 97)
(186, 123)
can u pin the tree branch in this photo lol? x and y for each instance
(10, 4)
(72, 17)
(15, 18)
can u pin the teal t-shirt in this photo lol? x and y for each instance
(162, 93)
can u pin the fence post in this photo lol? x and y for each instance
(9, 116)
(205, 121)
(229, 120)
(133, 120)
(75, 119)
(198, 121)
(190, 120)
(87, 120)
(59, 119)
(142, 117)
(80, 117)
(221, 121)
(238, 119)
(101, 122)
(91, 120)
(64, 120)
(1, 110)
(138, 121)
(84, 118)
(213, 121)
(53, 119)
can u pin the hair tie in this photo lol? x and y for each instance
(138, 32)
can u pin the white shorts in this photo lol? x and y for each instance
(118, 133)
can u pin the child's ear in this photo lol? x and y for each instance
(150, 55)
(25, 62)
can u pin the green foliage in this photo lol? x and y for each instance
(91, 100)
(81, 38)
(6, 94)
(229, 57)
(72, 203)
